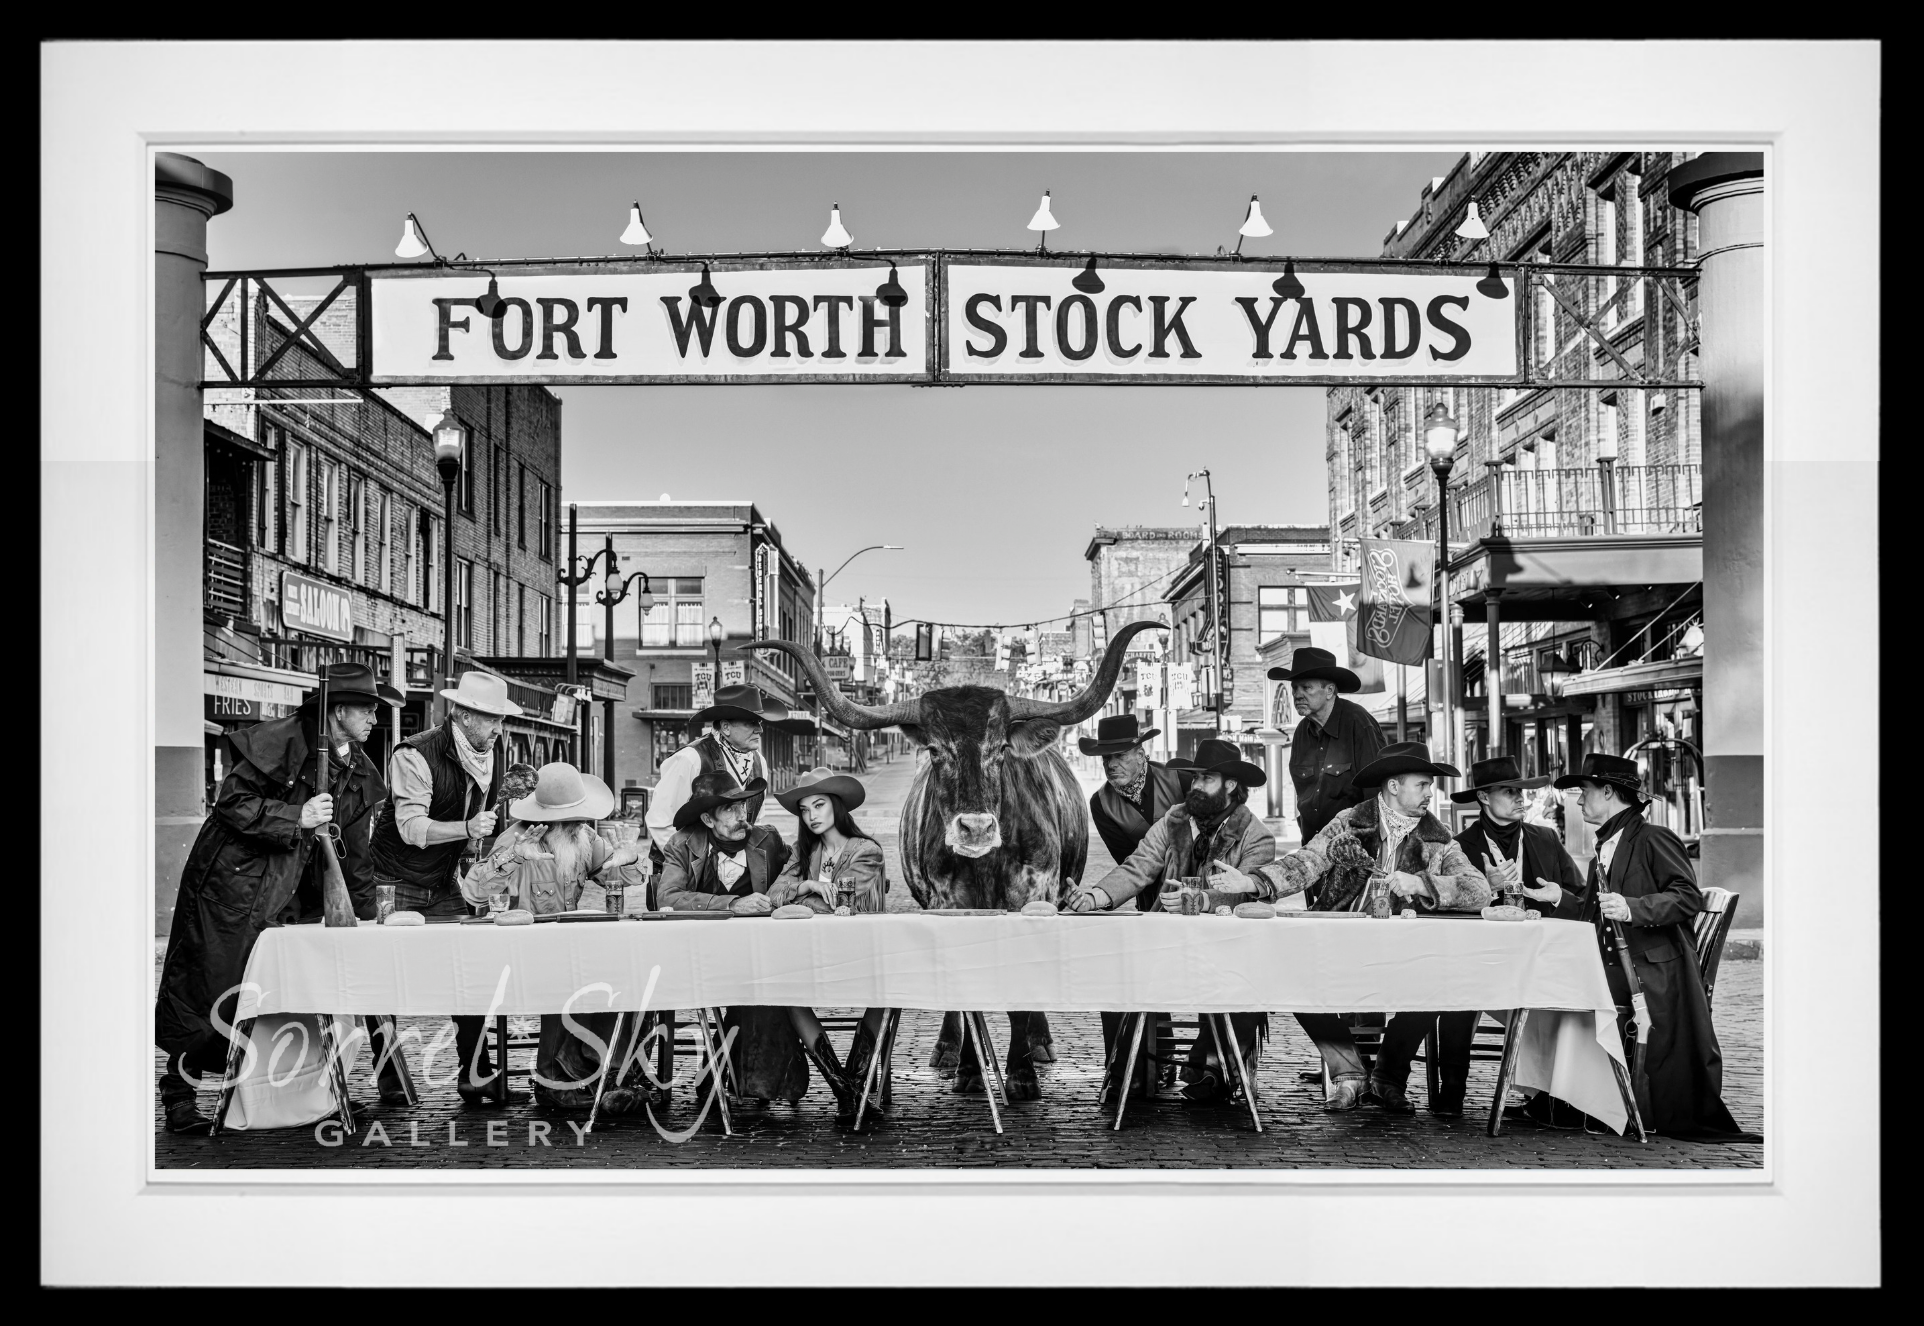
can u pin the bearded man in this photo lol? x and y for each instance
(1212, 830)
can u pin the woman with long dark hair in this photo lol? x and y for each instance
(835, 868)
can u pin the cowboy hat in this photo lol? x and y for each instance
(741, 704)
(1500, 771)
(1115, 735)
(352, 683)
(709, 793)
(484, 693)
(1614, 770)
(820, 781)
(1219, 757)
(1402, 757)
(563, 792)
(1312, 664)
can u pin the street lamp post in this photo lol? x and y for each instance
(821, 597)
(613, 590)
(573, 578)
(714, 643)
(1440, 433)
(1218, 646)
(450, 445)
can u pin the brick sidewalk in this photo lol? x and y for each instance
(933, 1127)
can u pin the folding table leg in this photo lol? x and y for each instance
(987, 1047)
(868, 1078)
(1506, 1069)
(888, 1065)
(1131, 1031)
(1432, 1071)
(499, 1087)
(336, 1074)
(608, 1061)
(1242, 1069)
(995, 1114)
(397, 1056)
(716, 1057)
(1629, 1092)
(236, 1045)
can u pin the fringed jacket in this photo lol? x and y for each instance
(1334, 867)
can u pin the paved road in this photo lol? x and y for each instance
(933, 1127)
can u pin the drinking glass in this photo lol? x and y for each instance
(498, 899)
(1195, 895)
(383, 903)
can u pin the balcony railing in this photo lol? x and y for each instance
(224, 581)
(1637, 499)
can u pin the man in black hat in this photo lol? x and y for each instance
(254, 865)
(1641, 879)
(1517, 858)
(1212, 833)
(1333, 740)
(1388, 851)
(733, 750)
(1138, 793)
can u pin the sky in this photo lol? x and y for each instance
(992, 491)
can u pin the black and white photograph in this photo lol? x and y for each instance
(699, 659)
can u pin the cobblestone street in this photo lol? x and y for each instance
(931, 1126)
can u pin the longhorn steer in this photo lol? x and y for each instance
(995, 817)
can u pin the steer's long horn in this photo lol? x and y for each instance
(1070, 712)
(856, 717)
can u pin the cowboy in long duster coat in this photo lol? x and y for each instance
(252, 867)
(1682, 1060)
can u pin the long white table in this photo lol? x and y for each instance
(1146, 962)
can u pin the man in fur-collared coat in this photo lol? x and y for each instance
(1393, 835)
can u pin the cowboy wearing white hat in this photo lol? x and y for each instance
(553, 861)
(445, 786)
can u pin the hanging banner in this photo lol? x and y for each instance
(1026, 320)
(792, 320)
(1394, 609)
(1332, 627)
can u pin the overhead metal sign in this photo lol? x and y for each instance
(803, 321)
(1139, 320)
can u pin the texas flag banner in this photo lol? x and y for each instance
(1332, 626)
(1393, 611)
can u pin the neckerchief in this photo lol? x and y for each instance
(1606, 833)
(1204, 840)
(740, 763)
(479, 764)
(1506, 837)
(1395, 826)
(1132, 792)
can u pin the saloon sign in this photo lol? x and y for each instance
(314, 607)
(953, 319)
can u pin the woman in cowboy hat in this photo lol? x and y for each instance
(1641, 878)
(253, 864)
(1212, 830)
(835, 865)
(733, 750)
(552, 860)
(719, 861)
(1334, 737)
(1392, 842)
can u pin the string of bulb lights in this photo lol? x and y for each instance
(840, 243)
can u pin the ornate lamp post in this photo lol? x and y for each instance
(450, 445)
(613, 590)
(572, 578)
(1217, 644)
(1440, 433)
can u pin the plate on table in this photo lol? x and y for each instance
(687, 916)
(1332, 916)
(577, 915)
(965, 911)
(1131, 911)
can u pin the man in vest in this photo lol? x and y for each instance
(444, 785)
(1137, 794)
(733, 750)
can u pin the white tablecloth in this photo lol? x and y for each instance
(1146, 962)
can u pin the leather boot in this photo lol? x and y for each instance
(822, 1055)
(860, 1051)
(183, 1116)
(1449, 1098)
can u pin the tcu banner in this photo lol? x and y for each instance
(1026, 321)
(819, 321)
(1393, 610)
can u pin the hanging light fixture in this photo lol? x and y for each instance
(1492, 284)
(836, 236)
(1087, 281)
(1473, 227)
(491, 305)
(703, 292)
(1044, 220)
(1253, 227)
(636, 233)
(1287, 285)
(890, 292)
(413, 244)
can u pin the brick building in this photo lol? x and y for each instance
(706, 562)
(1575, 512)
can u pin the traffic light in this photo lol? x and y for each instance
(924, 642)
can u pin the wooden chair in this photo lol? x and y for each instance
(1134, 1032)
(1712, 928)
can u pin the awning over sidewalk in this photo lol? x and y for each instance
(1667, 675)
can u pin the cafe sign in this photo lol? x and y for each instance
(314, 607)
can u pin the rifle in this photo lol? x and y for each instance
(1639, 1010)
(337, 909)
